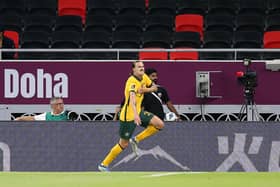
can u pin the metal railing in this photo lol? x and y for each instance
(118, 52)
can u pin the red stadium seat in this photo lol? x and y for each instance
(156, 55)
(271, 39)
(13, 35)
(189, 22)
(72, 7)
(184, 55)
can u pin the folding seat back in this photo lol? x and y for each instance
(271, 39)
(99, 23)
(189, 22)
(72, 7)
(167, 7)
(98, 7)
(257, 7)
(159, 23)
(192, 7)
(183, 55)
(69, 23)
(129, 23)
(153, 55)
(273, 7)
(96, 40)
(156, 39)
(136, 6)
(46, 7)
(222, 7)
(248, 39)
(12, 22)
(13, 35)
(12, 7)
(39, 23)
(273, 22)
(186, 40)
(250, 22)
(219, 23)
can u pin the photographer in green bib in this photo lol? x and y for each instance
(56, 114)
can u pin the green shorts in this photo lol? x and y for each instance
(127, 127)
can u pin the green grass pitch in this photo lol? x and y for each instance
(139, 179)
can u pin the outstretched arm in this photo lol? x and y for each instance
(25, 118)
(171, 107)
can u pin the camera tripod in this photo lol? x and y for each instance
(249, 106)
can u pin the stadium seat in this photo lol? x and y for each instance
(222, 7)
(67, 40)
(39, 23)
(127, 40)
(156, 39)
(101, 7)
(247, 40)
(256, 7)
(68, 23)
(12, 22)
(217, 39)
(45, 7)
(129, 24)
(72, 7)
(13, 35)
(162, 7)
(136, 7)
(97, 40)
(189, 22)
(250, 22)
(12, 7)
(221, 22)
(183, 55)
(271, 39)
(153, 55)
(273, 7)
(272, 22)
(186, 40)
(192, 7)
(159, 23)
(33, 40)
(99, 23)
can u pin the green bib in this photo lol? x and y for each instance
(61, 117)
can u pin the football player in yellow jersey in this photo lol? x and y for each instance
(131, 115)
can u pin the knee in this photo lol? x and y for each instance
(161, 124)
(124, 144)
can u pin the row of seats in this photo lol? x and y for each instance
(178, 40)
(140, 24)
(82, 7)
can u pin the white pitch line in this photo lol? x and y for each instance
(169, 173)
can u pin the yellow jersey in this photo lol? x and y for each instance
(133, 84)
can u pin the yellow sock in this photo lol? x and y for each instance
(149, 131)
(115, 151)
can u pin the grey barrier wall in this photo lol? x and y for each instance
(195, 146)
